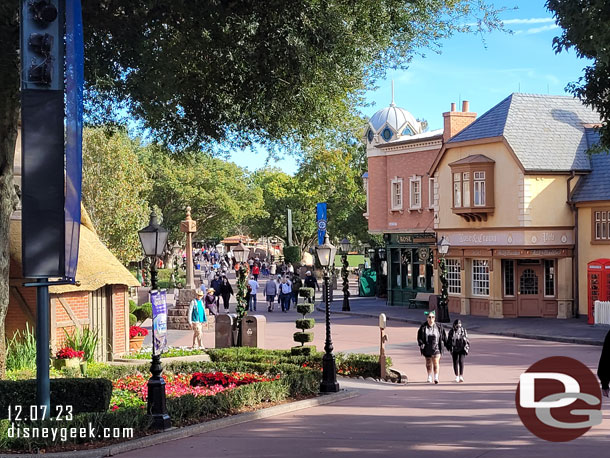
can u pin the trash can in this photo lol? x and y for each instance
(223, 335)
(253, 331)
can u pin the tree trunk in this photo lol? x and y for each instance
(9, 116)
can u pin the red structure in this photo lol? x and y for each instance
(598, 284)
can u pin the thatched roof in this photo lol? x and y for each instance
(97, 266)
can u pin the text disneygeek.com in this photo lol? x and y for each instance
(58, 433)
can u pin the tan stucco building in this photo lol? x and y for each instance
(504, 202)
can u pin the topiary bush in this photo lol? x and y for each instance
(292, 254)
(308, 294)
(303, 324)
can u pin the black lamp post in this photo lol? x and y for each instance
(345, 247)
(443, 303)
(326, 255)
(241, 256)
(153, 239)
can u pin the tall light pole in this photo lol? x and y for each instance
(443, 303)
(326, 255)
(153, 239)
(241, 256)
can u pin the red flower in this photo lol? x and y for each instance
(68, 353)
(137, 331)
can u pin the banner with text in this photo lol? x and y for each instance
(159, 308)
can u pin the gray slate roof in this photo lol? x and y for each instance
(596, 185)
(545, 131)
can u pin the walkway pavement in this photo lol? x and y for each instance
(573, 330)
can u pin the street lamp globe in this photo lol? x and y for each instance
(371, 252)
(326, 253)
(345, 245)
(443, 246)
(240, 252)
(153, 237)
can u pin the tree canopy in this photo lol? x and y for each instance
(586, 29)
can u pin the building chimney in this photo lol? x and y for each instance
(455, 121)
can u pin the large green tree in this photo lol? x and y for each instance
(221, 194)
(586, 29)
(115, 187)
(228, 71)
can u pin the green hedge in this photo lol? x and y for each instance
(303, 337)
(83, 394)
(303, 350)
(307, 293)
(292, 254)
(306, 323)
(305, 308)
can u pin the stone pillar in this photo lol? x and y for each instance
(189, 226)
(563, 283)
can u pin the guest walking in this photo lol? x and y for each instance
(226, 291)
(197, 317)
(431, 338)
(603, 369)
(459, 345)
(271, 290)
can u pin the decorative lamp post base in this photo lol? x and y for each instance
(156, 407)
(329, 375)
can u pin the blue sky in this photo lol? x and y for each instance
(468, 68)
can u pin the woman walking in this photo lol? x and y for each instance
(459, 345)
(226, 291)
(431, 338)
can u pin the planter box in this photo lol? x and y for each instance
(69, 362)
(135, 344)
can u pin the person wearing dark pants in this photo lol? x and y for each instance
(459, 345)
(285, 294)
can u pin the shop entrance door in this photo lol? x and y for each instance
(530, 292)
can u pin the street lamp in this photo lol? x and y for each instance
(153, 239)
(345, 246)
(443, 302)
(326, 256)
(240, 252)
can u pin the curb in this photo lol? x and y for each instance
(180, 433)
(572, 340)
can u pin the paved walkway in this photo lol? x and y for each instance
(574, 330)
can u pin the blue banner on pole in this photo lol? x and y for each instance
(159, 308)
(321, 219)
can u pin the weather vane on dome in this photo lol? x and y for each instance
(392, 104)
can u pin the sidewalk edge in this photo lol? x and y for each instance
(192, 430)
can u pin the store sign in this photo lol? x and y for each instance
(507, 238)
(405, 239)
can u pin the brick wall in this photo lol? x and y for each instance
(119, 293)
(382, 169)
(79, 304)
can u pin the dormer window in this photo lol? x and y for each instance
(370, 135)
(387, 134)
(472, 180)
(407, 131)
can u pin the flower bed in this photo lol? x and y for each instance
(172, 352)
(132, 390)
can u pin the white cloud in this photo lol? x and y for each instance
(541, 20)
(534, 30)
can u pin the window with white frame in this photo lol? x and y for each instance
(549, 277)
(480, 277)
(397, 194)
(431, 183)
(454, 277)
(466, 188)
(457, 190)
(479, 189)
(415, 194)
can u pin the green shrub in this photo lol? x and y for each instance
(305, 350)
(292, 254)
(307, 293)
(358, 364)
(303, 337)
(306, 323)
(21, 350)
(85, 340)
(305, 308)
(132, 319)
(83, 394)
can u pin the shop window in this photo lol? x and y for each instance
(454, 278)
(472, 180)
(415, 193)
(508, 272)
(601, 225)
(549, 277)
(480, 277)
(397, 194)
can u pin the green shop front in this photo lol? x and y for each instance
(410, 266)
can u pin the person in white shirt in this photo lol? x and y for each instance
(253, 290)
